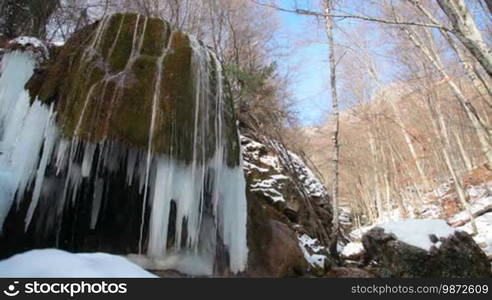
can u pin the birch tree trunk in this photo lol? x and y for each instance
(408, 141)
(480, 129)
(464, 155)
(327, 5)
(375, 172)
(465, 29)
(472, 73)
(443, 137)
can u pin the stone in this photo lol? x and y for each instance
(457, 256)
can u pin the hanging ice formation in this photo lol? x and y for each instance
(126, 143)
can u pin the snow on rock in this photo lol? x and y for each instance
(418, 232)
(480, 197)
(271, 163)
(32, 43)
(51, 263)
(352, 250)
(313, 186)
(312, 251)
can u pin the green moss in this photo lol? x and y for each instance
(111, 33)
(123, 47)
(84, 88)
(119, 99)
(53, 78)
(177, 102)
(156, 37)
(132, 113)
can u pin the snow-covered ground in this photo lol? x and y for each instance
(49, 263)
(476, 207)
(27, 41)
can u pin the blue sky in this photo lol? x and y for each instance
(307, 59)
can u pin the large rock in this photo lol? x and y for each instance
(113, 79)
(455, 256)
(274, 248)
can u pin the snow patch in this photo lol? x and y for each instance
(480, 205)
(311, 248)
(27, 41)
(351, 249)
(417, 232)
(258, 157)
(53, 263)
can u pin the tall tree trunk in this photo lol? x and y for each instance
(465, 29)
(489, 5)
(480, 129)
(472, 73)
(411, 147)
(464, 155)
(327, 4)
(443, 137)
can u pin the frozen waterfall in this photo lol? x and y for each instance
(71, 192)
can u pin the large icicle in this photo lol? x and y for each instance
(24, 130)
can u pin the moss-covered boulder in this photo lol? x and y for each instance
(127, 77)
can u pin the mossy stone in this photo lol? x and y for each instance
(104, 80)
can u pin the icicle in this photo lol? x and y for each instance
(87, 160)
(50, 136)
(25, 129)
(155, 101)
(96, 202)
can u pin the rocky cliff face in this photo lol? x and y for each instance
(289, 215)
(126, 143)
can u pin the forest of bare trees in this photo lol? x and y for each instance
(425, 122)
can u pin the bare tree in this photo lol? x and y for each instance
(328, 6)
(465, 29)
